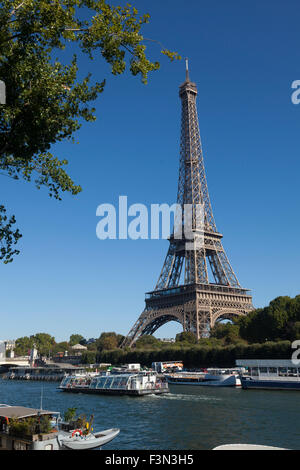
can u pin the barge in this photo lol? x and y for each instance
(270, 374)
(142, 383)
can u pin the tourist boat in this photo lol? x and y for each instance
(23, 428)
(271, 374)
(142, 383)
(209, 377)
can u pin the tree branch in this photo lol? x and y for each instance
(17, 8)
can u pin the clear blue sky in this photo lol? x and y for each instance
(243, 57)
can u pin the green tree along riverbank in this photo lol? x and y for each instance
(197, 355)
(265, 333)
(47, 99)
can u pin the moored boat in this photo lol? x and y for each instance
(209, 377)
(23, 428)
(270, 374)
(78, 441)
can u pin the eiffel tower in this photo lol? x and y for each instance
(184, 292)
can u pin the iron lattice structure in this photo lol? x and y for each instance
(183, 292)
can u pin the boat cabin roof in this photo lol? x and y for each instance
(22, 412)
(265, 363)
(118, 376)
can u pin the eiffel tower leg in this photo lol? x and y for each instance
(152, 319)
(135, 331)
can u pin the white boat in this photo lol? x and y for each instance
(77, 441)
(139, 384)
(209, 377)
(246, 447)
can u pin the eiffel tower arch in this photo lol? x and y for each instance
(183, 292)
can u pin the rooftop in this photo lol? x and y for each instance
(7, 411)
(79, 347)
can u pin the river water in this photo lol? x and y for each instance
(189, 418)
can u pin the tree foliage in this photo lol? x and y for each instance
(227, 332)
(272, 323)
(60, 347)
(23, 345)
(8, 237)
(278, 321)
(109, 341)
(76, 339)
(187, 337)
(148, 342)
(46, 102)
(43, 342)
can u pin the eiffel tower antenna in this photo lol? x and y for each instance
(184, 293)
(187, 78)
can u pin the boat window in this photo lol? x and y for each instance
(272, 370)
(292, 372)
(254, 371)
(263, 370)
(123, 382)
(112, 382)
(65, 381)
(118, 382)
(101, 382)
(93, 383)
(108, 382)
(115, 382)
(282, 371)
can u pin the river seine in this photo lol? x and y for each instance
(189, 418)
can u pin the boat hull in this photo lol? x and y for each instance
(246, 447)
(250, 383)
(87, 443)
(133, 393)
(207, 381)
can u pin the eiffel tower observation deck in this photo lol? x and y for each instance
(184, 292)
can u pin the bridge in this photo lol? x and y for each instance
(14, 361)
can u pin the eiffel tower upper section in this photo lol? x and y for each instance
(192, 189)
(184, 291)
